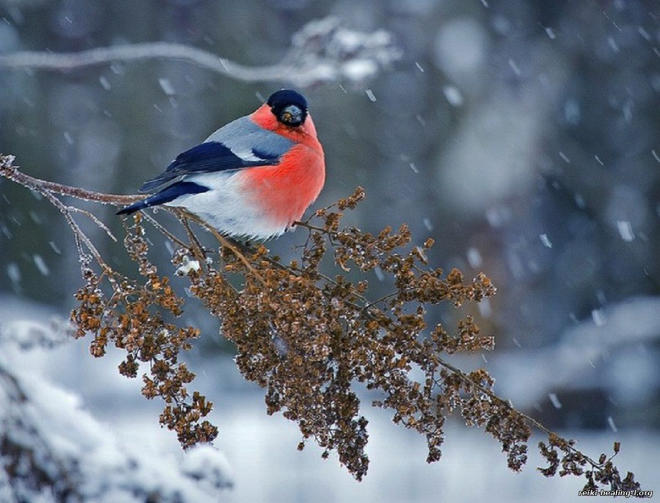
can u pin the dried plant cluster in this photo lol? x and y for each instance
(308, 339)
(131, 317)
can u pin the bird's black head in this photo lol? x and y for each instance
(289, 107)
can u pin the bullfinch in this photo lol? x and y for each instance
(253, 177)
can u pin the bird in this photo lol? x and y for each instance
(252, 178)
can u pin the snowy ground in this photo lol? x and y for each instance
(261, 450)
(267, 466)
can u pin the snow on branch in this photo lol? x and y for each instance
(322, 51)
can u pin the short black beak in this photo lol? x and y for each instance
(296, 114)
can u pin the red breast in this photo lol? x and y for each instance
(285, 190)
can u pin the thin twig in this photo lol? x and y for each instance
(311, 227)
(163, 230)
(194, 242)
(224, 241)
(382, 299)
(461, 375)
(78, 233)
(94, 219)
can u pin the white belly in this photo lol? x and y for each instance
(227, 207)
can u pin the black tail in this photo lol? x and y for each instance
(140, 205)
(164, 196)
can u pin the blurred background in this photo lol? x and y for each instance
(523, 136)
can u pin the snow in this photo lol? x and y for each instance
(611, 424)
(63, 441)
(545, 240)
(453, 95)
(34, 217)
(209, 465)
(625, 230)
(187, 266)
(577, 360)
(30, 334)
(598, 317)
(14, 273)
(330, 52)
(493, 155)
(474, 257)
(349, 39)
(359, 69)
(166, 86)
(514, 66)
(41, 265)
(105, 83)
(485, 309)
(370, 94)
(397, 469)
(5, 230)
(498, 216)
(460, 47)
(554, 400)
(572, 113)
(645, 34)
(612, 43)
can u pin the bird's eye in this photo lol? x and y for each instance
(287, 117)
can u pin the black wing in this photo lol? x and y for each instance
(239, 144)
(211, 156)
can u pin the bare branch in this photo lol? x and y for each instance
(135, 52)
(80, 236)
(12, 172)
(322, 51)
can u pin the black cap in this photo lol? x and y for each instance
(289, 107)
